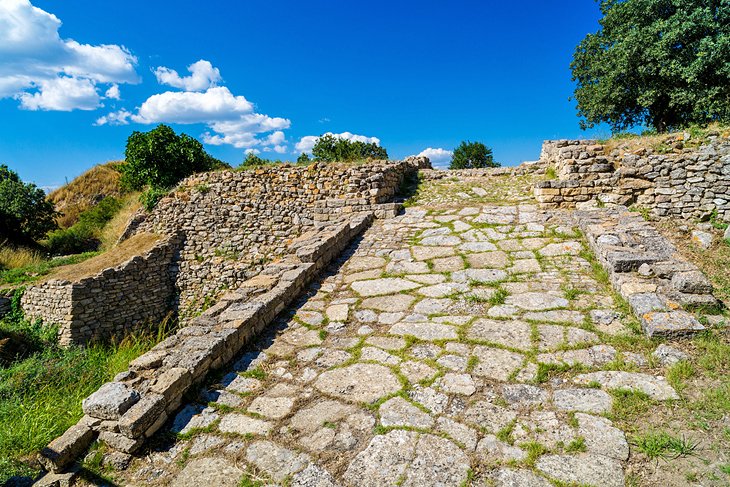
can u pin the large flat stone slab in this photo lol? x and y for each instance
(583, 469)
(425, 331)
(655, 387)
(359, 382)
(380, 287)
(220, 472)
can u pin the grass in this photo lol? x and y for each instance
(663, 445)
(40, 397)
(111, 232)
(15, 257)
(37, 269)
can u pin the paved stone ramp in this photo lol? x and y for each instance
(422, 360)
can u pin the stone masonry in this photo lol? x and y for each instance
(687, 182)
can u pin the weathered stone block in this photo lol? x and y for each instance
(692, 282)
(110, 401)
(63, 450)
(142, 415)
(172, 383)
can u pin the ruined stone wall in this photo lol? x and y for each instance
(111, 303)
(234, 222)
(686, 182)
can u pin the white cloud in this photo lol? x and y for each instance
(438, 157)
(307, 142)
(214, 105)
(113, 92)
(120, 117)
(203, 76)
(38, 66)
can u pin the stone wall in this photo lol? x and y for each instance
(126, 412)
(112, 302)
(234, 222)
(686, 182)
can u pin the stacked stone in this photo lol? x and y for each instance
(111, 303)
(126, 412)
(235, 222)
(688, 183)
(646, 269)
(4, 305)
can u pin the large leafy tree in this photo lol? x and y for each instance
(160, 158)
(25, 214)
(472, 155)
(659, 63)
(329, 148)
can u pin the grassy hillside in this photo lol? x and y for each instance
(85, 191)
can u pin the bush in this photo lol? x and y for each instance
(25, 215)
(150, 197)
(329, 148)
(253, 160)
(472, 155)
(84, 235)
(160, 159)
(303, 158)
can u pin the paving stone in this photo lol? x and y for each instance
(426, 278)
(490, 449)
(428, 253)
(448, 264)
(443, 290)
(387, 343)
(523, 395)
(378, 355)
(313, 476)
(512, 333)
(477, 247)
(272, 407)
(583, 469)
(399, 412)
(456, 363)
(243, 385)
(486, 276)
(429, 398)
(462, 384)
(459, 432)
(192, 417)
(503, 311)
(358, 382)
(379, 287)
(417, 371)
(338, 312)
(601, 437)
(441, 240)
(203, 443)
(425, 331)
(276, 461)
(562, 248)
(489, 416)
(512, 477)
(593, 356)
(669, 355)
(437, 462)
(655, 387)
(556, 316)
(495, 363)
(586, 400)
(311, 418)
(244, 425)
(302, 337)
(545, 427)
(425, 350)
(313, 318)
(356, 264)
(110, 401)
(431, 306)
(536, 301)
(407, 267)
(525, 266)
(220, 472)
(383, 461)
(330, 358)
(397, 302)
(488, 260)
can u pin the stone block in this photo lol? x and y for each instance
(120, 442)
(172, 383)
(62, 451)
(110, 401)
(692, 282)
(142, 415)
(670, 324)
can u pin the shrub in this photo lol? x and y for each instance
(472, 155)
(330, 148)
(303, 158)
(25, 215)
(160, 158)
(253, 160)
(150, 197)
(84, 235)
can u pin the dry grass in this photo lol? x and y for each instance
(131, 247)
(85, 191)
(113, 230)
(15, 257)
(662, 143)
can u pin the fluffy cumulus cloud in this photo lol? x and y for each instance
(202, 76)
(439, 157)
(46, 72)
(231, 119)
(307, 142)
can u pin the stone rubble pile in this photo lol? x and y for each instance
(646, 269)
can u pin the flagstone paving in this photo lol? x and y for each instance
(461, 343)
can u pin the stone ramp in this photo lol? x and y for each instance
(449, 347)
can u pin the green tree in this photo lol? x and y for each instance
(329, 148)
(160, 159)
(303, 158)
(253, 160)
(25, 214)
(658, 63)
(472, 155)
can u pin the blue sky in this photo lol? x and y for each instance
(78, 76)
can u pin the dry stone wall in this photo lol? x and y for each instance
(234, 222)
(688, 182)
(112, 302)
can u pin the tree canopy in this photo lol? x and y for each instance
(25, 214)
(659, 63)
(329, 148)
(472, 155)
(160, 158)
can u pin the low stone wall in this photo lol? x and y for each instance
(126, 412)
(234, 222)
(111, 303)
(647, 271)
(686, 183)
